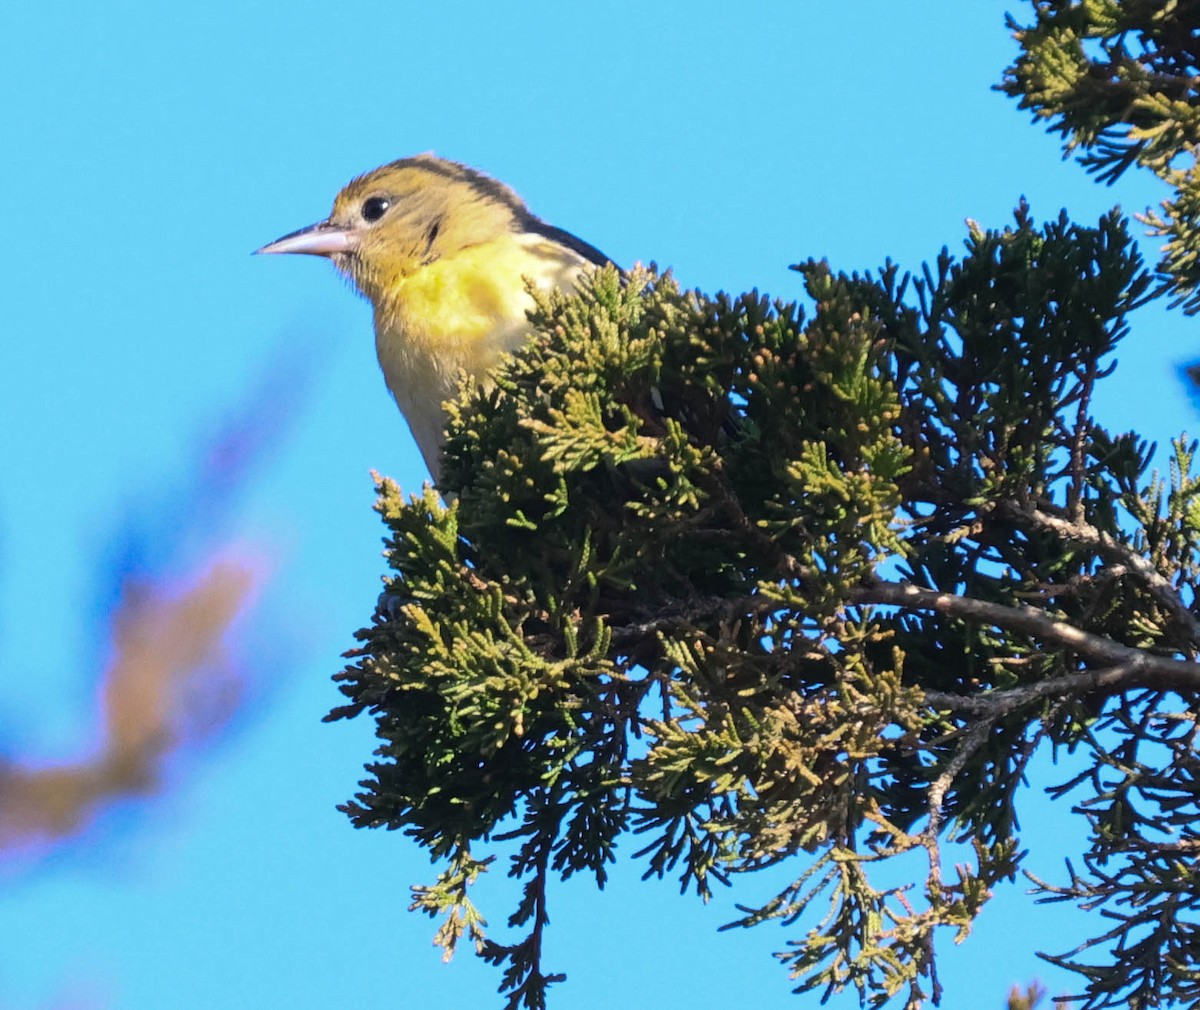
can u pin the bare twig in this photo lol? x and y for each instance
(1120, 667)
(1077, 531)
(1128, 666)
(1078, 442)
(974, 738)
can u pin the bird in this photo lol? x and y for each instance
(444, 254)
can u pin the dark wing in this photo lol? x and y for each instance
(565, 238)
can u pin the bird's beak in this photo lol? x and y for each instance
(321, 239)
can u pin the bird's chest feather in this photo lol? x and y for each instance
(461, 312)
(458, 312)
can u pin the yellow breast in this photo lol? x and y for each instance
(460, 312)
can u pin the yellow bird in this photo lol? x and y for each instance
(444, 254)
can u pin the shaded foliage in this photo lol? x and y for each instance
(761, 585)
(1120, 81)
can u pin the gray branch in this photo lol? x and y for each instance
(1112, 549)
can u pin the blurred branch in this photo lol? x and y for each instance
(168, 681)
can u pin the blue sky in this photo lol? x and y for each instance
(148, 149)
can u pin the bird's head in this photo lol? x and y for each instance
(391, 222)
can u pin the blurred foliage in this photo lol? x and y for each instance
(763, 585)
(1120, 81)
(1026, 999)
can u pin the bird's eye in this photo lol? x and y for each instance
(374, 207)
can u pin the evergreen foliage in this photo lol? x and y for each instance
(756, 585)
(1120, 80)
